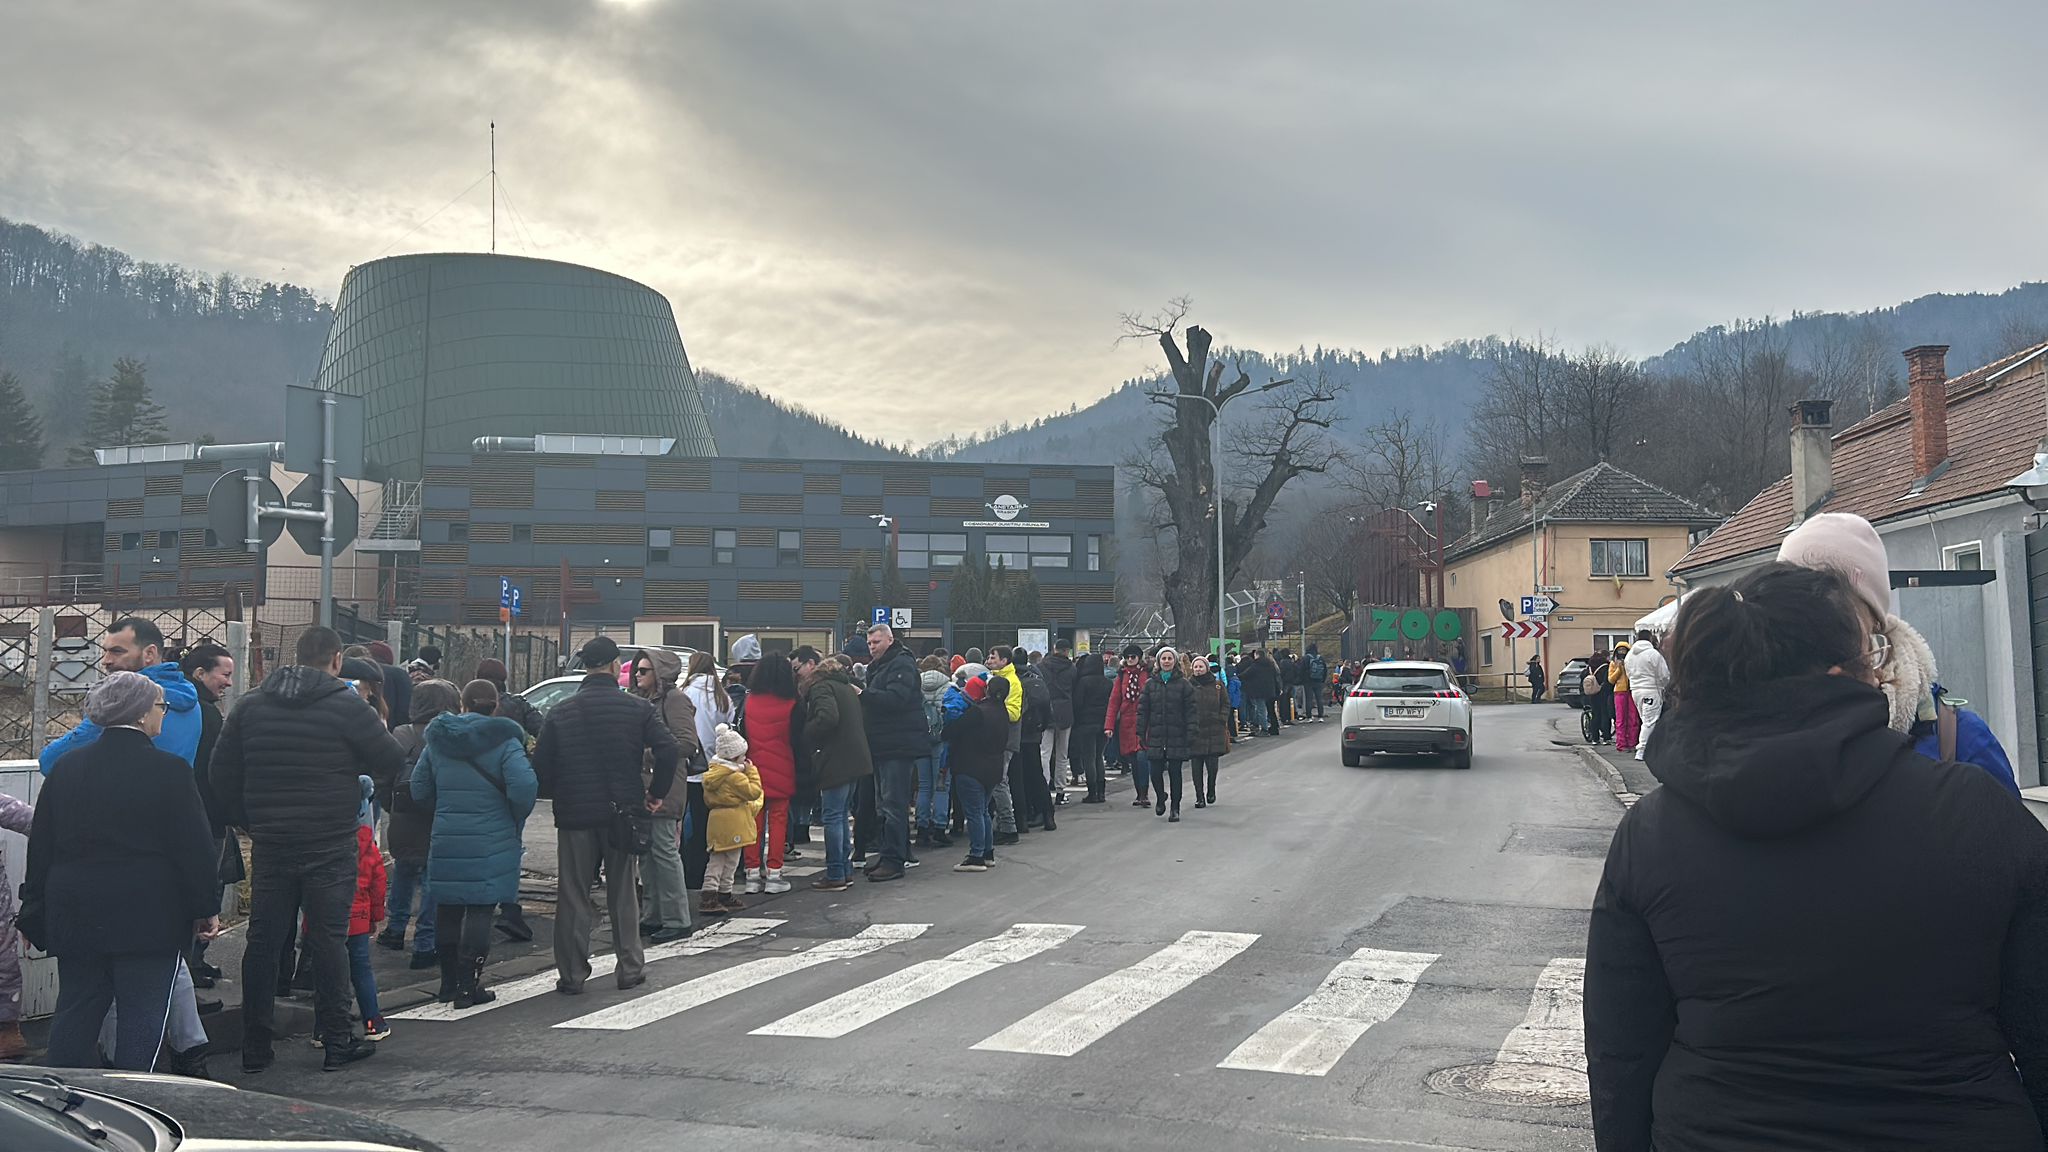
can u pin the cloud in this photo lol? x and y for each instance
(923, 218)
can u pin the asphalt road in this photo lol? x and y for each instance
(1377, 957)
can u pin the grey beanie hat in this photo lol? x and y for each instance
(121, 698)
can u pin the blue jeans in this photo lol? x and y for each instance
(1141, 772)
(933, 809)
(364, 977)
(405, 878)
(895, 788)
(974, 809)
(835, 802)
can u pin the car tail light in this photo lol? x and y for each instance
(1360, 693)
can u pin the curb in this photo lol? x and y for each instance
(1607, 775)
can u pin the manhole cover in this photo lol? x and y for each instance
(1521, 1085)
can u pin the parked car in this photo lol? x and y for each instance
(548, 693)
(1411, 706)
(61, 1109)
(1571, 681)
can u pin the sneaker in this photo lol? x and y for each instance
(376, 1030)
(824, 884)
(340, 1056)
(1006, 838)
(971, 864)
(731, 902)
(1141, 802)
(710, 905)
(671, 935)
(912, 862)
(774, 884)
(860, 857)
(940, 839)
(755, 881)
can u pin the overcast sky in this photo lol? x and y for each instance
(922, 218)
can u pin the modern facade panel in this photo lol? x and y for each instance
(448, 347)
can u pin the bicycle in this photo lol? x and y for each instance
(1587, 728)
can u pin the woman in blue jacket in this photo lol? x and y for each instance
(475, 774)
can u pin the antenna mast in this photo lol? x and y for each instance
(494, 186)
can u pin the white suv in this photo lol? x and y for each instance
(1412, 706)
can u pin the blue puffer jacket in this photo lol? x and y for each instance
(1974, 745)
(474, 856)
(180, 735)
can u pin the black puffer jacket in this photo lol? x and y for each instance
(210, 723)
(588, 756)
(1261, 678)
(1058, 672)
(1212, 717)
(286, 764)
(1037, 716)
(892, 708)
(410, 834)
(1091, 694)
(977, 741)
(1166, 716)
(1812, 937)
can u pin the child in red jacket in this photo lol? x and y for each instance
(366, 914)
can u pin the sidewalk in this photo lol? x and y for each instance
(1627, 777)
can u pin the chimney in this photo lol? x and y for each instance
(1482, 504)
(1535, 476)
(1813, 457)
(1927, 395)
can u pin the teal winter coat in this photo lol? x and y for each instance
(474, 856)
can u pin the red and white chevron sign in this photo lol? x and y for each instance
(1524, 629)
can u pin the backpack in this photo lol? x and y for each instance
(934, 717)
(1589, 685)
(1316, 670)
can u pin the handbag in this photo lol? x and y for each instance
(630, 831)
(229, 869)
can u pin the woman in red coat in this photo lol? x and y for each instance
(1121, 723)
(771, 709)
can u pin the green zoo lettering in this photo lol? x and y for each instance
(1389, 625)
(1383, 625)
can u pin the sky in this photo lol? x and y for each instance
(925, 218)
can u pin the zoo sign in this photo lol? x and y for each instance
(1391, 625)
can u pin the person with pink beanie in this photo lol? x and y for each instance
(1941, 729)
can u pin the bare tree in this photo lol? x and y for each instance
(1599, 396)
(1515, 417)
(1397, 463)
(1324, 549)
(1286, 436)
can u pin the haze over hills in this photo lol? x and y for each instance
(218, 345)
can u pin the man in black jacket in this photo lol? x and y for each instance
(892, 709)
(211, 669)
(588, 761)
(285, 768)
(1058, 672)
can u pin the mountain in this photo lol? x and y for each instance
(749, 422)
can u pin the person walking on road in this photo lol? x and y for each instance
(1166, 714)
(1536, 685)
(1315, 683)
(665, 890)
(409, 833)
(1812, 936)
(899, 735)
(1209, 739)
(286, 769)
(1627, 725)
(1122, 723)
(473, 775)
(1648, 673)
(836, 747)
(975, 741)
(121, 876)
(588, 761)
(771, 713)
(1091, 714)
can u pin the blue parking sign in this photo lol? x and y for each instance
(504, 592)
(515, 601)
(879, 616)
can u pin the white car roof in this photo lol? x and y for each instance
(1408, 666)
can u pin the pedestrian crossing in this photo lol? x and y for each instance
(1367, 989)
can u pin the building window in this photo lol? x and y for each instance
(1012, 552)
(1486, 650)
(1621, 557)
(1605, 641)
(522, 533)
(1964, 557)
(1052, 551)
(723, 541)
(949, 549)
(789, 546)
(661, 537)
(931, 550)
(913, 550)
(657, 555)
(130, 541)
(458, 531)
(1095, 554)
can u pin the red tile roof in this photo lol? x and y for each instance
(1997, 415)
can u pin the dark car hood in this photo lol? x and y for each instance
(228, 1118)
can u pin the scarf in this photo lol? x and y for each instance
(1134, 683)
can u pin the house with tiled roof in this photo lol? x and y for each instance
(1934, 473)
(1598, 543)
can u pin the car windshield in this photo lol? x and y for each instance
(1404, 680)
(546, 696)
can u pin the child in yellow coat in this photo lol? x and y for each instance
(732, 790)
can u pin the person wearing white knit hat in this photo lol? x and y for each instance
(732, 791)
(1942, 729)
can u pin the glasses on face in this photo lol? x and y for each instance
(643, 670)
(163, 706)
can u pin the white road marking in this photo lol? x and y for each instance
(717, 985)
(798, 870)
(1309, 1038)
(540, 983)
(1086, 1015)
(1545, 1055)
(859, 1007)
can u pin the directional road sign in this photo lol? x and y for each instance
(1524, 629)
(307, 532)
(302, 437)
(1537, 605)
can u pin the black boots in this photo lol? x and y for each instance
(471, 991)
(190, 1063)
(341, 1055)
(451, 975)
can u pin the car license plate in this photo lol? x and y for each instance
(1404, 713)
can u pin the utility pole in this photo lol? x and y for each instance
(494, 186)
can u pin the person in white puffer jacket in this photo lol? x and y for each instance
(1647, 676)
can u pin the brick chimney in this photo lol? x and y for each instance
(1813, 457)
(1482, 504)
(1927, 395)
(1535, 477)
